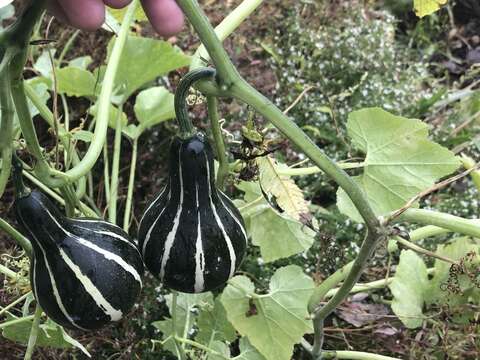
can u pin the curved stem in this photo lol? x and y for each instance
(16, 321)
(101, 126)
(131, 185)
(19, 238)
(212, 105)
(181, 110)
(179, 347)
(117, 148)
(32, 339)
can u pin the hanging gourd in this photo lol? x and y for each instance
(192, 237)
(84, 273)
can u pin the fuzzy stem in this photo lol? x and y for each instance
(212, 104)
(131, 185)
(117, 148)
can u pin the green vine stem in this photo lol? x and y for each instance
(15, 302)
(131, 185)
(6, 135)
(351, 355)
(446, 221)
(114, 182)
(181, 110)
(32, 339)
(180, 350)
(7, 272)
(212, 105)
(16, 321)
(19, 238)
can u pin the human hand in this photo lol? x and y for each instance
(164, 15)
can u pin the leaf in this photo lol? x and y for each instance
(278, 235)
(287, 194)
(143, 60)
(276, 321)
(247, 351)
(153, 106)
(400, 160)
(41, 89)
(427, 7)
(81, 62)
(119, 14)
(49, 335)
(213, 324)
(112, 115)
(456, 249)
(221, 348)
(185, 319)
(408, 288)
(43, 63)
(75, 81)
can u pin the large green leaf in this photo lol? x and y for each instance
(185, 318)
(276, 321)
(408, 288)
(49, 335)
(213, 324)
(438, 293)
(221, 348)
(247, 351)
(143, 60)
(400, 160)
(277, 234)
(153, 106)
(74, 81)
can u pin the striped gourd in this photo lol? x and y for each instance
(84, 273)
(191, 236)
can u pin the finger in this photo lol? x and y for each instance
(117, 4)
(164, 15)
(56, 10)
(86, 14)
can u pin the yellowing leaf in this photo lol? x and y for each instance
(427, 7)
(287, 194)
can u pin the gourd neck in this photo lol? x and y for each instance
(181, 111)
(20, 188)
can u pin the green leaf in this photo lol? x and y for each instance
(49, 335)
(400, 160)
(41, 89)
(213, 324)
(143, 60)
(221, 348)
(185, 318)
(456, 249)
(276, 321)
(119, 14)
(408, 288)
(278, 235)
(112, 115)
(247, 351)
(153, 106)
(43, 64)
(427, 7)
(75, 81)
(81, 62)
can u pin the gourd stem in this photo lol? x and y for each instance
(20, 188)
(212, 105)
(181, 94)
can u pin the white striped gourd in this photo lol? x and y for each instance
(192, 237)
(84, 273)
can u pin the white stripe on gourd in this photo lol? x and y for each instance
(199, 257)
(233, 216)
(149, 233)
(231, 251)
(176, 221)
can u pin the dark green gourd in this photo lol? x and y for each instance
(191, 236)
(84, 273)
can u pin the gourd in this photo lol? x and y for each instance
(191, 236)
(84, 272)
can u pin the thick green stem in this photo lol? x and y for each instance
(181, 110)
(6, 134)
(131, 185)
(16, 321)
(32, 339)
(19, 238)
(117, 148)
(7, 272)
(446, 221)
(315, 169)
(180, 350)
(212, 104)
(427, 231)
(15, 302)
